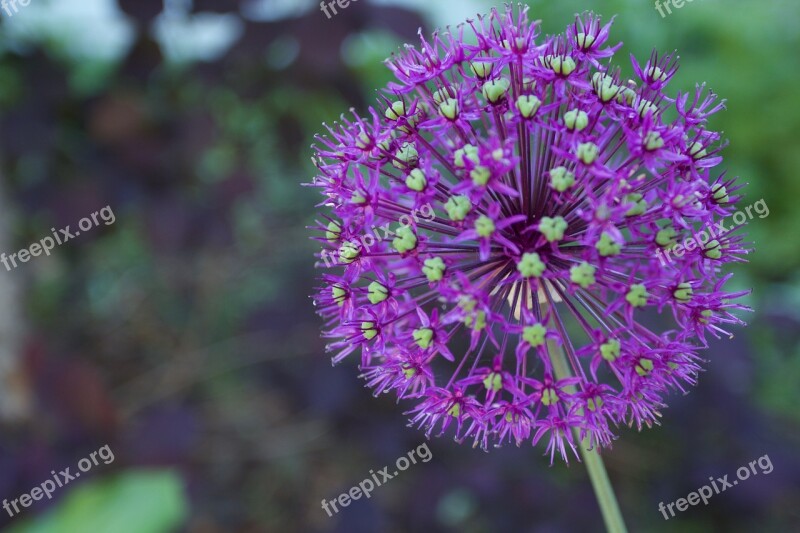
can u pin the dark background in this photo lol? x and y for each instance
(183, 336)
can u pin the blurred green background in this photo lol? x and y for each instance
(182, 334)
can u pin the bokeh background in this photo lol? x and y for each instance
(183, 337)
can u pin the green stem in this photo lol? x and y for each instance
(591, 458)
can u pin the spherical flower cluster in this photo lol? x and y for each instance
(554, 189)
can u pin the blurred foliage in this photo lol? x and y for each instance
(182, 334)
(135, 502)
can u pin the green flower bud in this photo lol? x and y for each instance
(719, 194)
(587, 152)
(339, 294)
(610, 350)
(637, 295)
(584, 41)
(644, 366)
(561, 179)
(528, 105)
(377, 293)
(666, 237)
(457, 207)
(653, 141)
(404, 240)
(683, 292)
(434, 269)
(484, 226)
(493, 382)
(530, 265)
(449, 109)
(396, 110)
(406, 156)
(560, 65)
(582, 275)
(416, 180)
(480, 175)
(639, 205)
(333, 231)
(576, 119)
(349, 252)
(481, 69)
(607, 246)
(369, 330)
(713, 249)
(468, 151)
(423, 337)
(549, 396)
(553, 228)
(534, 335)
(495, 90)
(697, 151)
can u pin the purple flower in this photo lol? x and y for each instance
(554, 191)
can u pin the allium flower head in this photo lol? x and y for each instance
(514, 197)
